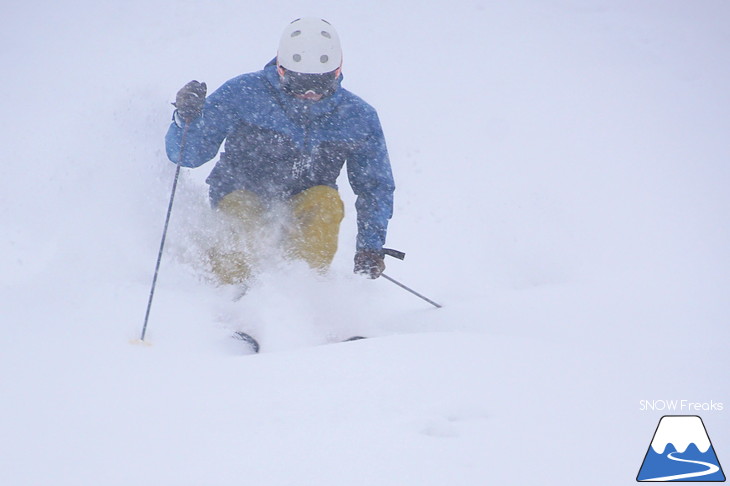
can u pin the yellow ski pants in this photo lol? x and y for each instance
(312, 224)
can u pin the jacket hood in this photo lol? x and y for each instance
(324, 105)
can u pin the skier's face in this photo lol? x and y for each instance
(311, 87)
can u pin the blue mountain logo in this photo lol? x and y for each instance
(681, 451)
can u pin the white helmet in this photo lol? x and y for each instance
(310, 45)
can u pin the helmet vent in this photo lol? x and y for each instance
(326, 34)
(324, 58)
(297, 57)
(296, 33)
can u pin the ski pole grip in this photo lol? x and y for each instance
(394, 253)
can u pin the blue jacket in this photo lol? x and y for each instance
(278, 145)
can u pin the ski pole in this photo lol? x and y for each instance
(401, 256)
(404, 287)
(164, 232)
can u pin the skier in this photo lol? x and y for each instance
(288, 130)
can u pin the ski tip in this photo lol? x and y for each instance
(248, 339)
(353, 338)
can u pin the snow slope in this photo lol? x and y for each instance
(562, 188)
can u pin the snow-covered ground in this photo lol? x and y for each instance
(562, 171)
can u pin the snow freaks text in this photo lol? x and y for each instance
(680, 406)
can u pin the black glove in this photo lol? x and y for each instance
(190, 100)
(369, 263)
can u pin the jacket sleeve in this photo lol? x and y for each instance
(206, 133)
(371, 178)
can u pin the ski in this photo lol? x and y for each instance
(254, 346)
